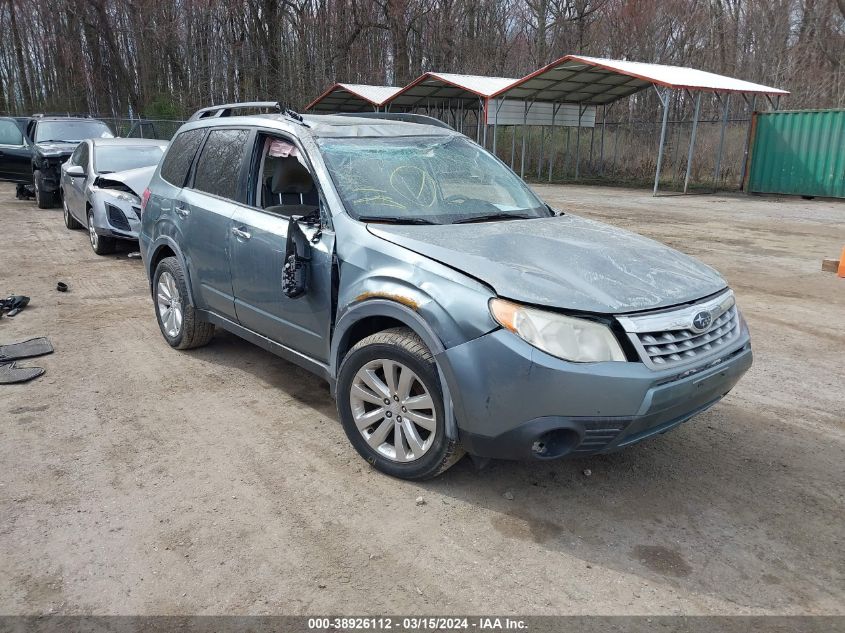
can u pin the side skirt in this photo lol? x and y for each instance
(297, 358)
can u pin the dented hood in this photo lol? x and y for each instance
(563, 262)
(136, 179)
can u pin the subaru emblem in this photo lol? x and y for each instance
(701, 321)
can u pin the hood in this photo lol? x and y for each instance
(134, 179)
(563, 262)
(56, 148)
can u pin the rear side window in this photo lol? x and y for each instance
(179, 157)
(219, 165)
(10, 133)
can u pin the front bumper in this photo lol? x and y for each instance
(117, 218)
(527, 404)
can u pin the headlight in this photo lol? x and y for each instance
(569, 338)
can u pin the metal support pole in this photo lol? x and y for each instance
(540, 157)
(498, 104)
(725, 108)
(692, 140)
(747, 140)
(664, 101)
(578, 143)
(601, 148)
(555, 108)
(482, 105)
(524, 127)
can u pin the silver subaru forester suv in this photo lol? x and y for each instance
(448, 307)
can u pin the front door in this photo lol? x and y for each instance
(281, 186)
(258, 258)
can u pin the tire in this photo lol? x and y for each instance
(102, 245)
(43, 199)
(70, 222)
(402, 349)
(189, 331)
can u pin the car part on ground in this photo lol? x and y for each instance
(62, 286)
(447, 306)
(13, 304)
(26, 349)
(11, 373)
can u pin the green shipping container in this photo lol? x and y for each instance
(800, 152)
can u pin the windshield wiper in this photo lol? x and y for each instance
(492, 217)
(393, 219)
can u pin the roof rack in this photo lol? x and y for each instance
(407, 117)
(226, 109)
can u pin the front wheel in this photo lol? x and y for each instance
(101, 244)
(177, 317)
(70, 221)
(391, 406)
(43, 199)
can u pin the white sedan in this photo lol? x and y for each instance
(101, 187)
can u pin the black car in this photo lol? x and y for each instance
(33, 149)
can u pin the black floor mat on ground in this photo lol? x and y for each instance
(26, 349)
(10, 373)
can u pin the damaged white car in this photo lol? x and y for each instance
(101, 188)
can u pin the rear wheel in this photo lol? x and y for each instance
(44, 199)
(391, 406)
(70, 221)
(101, 244)
(177, 317)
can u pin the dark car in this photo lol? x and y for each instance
(32, 151)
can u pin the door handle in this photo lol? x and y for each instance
(244, 235)
(181, 210)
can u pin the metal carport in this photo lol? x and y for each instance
(342, 97)
(593, 81)
(450, 96)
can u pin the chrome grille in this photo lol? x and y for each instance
(668, 339)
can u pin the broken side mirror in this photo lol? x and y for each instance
(297, 255)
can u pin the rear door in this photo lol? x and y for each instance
(258, 257)
(15, 153)
(204, 210)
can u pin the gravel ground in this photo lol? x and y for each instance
(141, 480)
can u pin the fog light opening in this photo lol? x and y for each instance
(555, 443)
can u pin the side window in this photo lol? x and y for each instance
(179, 157)
(219, 165)
(10, 133)
(285, 185)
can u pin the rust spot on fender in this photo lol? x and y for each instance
(407, 301)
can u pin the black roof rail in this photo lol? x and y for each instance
(407, 117)
(226, 109)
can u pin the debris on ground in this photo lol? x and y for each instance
(13, 304)
(508, 495)
(62, 286)
(587, 472)
(420, 501)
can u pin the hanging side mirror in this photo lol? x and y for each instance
(297, 256)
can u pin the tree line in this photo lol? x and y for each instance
(167, 58)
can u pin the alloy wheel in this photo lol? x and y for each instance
(393, 410)
(92, 232)
(169, 303)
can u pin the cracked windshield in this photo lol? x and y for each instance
(425, 180)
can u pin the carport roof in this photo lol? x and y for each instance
(594, 80)
(444, 86)
(352, 97)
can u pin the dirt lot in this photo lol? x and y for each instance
(140, 480)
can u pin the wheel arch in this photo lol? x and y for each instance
(162, 248)
(375, 315)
